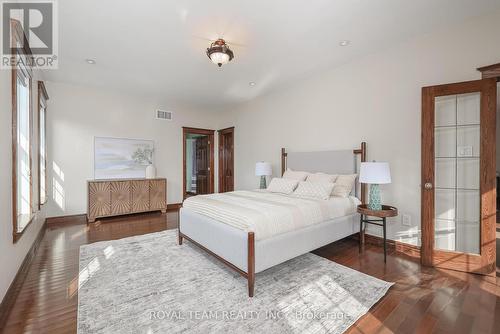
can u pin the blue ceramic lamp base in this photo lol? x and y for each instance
(374, 202)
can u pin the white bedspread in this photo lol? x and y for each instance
(268, 214)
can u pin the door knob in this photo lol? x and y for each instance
(428, 186)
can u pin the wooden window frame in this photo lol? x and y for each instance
(42, 93)
(210, 134)
(18, 34)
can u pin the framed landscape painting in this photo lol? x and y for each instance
(120, 158)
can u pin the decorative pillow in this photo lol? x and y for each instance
(283, 186)
(321, 177)
(295, 175)
(344, 185)
(321, 190)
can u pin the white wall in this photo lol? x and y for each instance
(374, 99)
(12, 255)
(78, 113)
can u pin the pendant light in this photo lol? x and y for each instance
(219, 52)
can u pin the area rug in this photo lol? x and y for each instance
(149, 284)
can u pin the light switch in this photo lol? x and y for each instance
(464, 151)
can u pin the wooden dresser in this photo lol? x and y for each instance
(108, 198)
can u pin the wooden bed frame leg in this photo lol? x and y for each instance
(251, 263)
(179, 237)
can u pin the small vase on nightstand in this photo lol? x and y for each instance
(150, 172)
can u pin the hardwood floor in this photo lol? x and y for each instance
(423, 300)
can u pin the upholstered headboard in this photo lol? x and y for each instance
(330, 162)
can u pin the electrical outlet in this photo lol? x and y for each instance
(406, 220)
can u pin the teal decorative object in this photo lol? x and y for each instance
(374, 202)
(263, 182)
(263, 169)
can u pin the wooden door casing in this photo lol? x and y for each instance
(226, 160)
(484, 263)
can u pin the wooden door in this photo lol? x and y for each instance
(198, 161)
(202, 165)
(458, 176)
(226, 160)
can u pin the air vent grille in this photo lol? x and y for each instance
(164, 115)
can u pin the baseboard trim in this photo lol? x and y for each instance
(398, 246)
(16, 284)
(76, 219)
(174, 206)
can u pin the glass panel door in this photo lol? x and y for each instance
(459, 176)
(457, 154)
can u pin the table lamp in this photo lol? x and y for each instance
(374, 173)
(263, 169)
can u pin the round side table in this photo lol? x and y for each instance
(364, 211)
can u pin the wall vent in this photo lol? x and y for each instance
(164, 115)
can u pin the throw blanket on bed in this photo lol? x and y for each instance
(268, 214)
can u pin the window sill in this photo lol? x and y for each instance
(17, 235)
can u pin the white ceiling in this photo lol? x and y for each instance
(157, 48)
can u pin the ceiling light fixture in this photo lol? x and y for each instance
(251, 83)
(90, 61)
(219, 52)
(344, 43)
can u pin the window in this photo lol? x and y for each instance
(42, 150)
(21, 138)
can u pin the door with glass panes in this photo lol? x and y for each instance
(458, 176)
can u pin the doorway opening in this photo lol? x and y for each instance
(198, 161)
(226, 160)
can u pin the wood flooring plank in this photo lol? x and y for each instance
(423, 300)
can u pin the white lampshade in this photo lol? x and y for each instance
(219, 58)
(263, 169)
(375, 173)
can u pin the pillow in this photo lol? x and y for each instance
(295, 175)
(321, 190)
(321, 177)
(344, 185)
(283, 186)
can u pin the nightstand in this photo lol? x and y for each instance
(364, 211)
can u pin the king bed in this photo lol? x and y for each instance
(251, 231)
